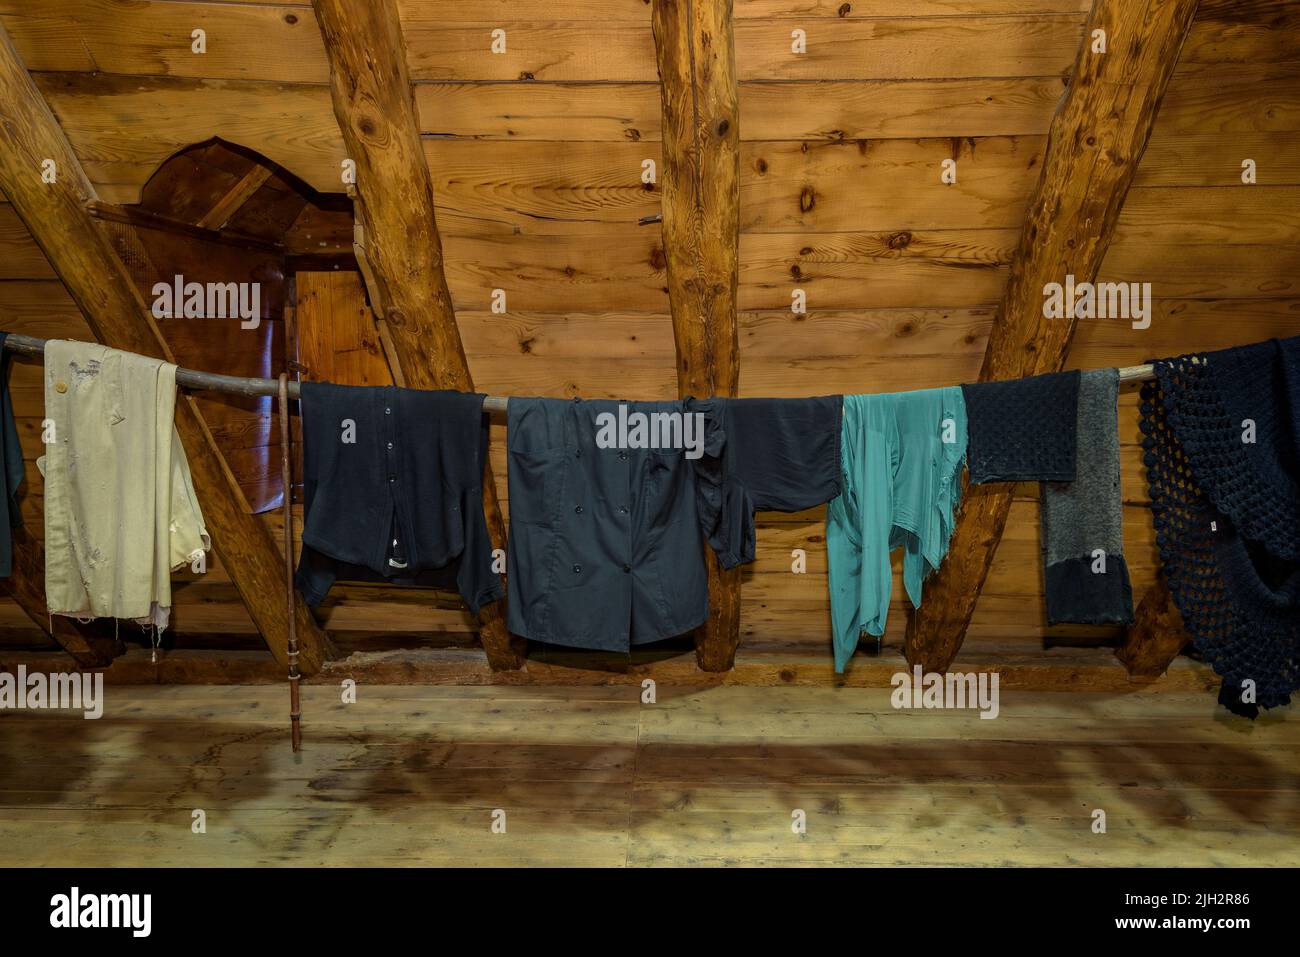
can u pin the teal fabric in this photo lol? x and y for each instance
(901, 485)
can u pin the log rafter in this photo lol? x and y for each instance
(1094, 145)
(695, 51)
(370, 87)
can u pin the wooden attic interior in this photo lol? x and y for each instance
(231, 160)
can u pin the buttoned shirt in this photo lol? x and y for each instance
(605, 543)
(393, 490)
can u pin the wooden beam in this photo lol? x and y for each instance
(234, 200)
(695, 50)
(1095, 142)
(1156, 636)
(375, 109)
(32, 145)
(138, 216)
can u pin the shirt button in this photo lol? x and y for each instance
(60, 387)
(623, 509)
(390, 445)
(627, 568)
(578, 509)
(392, 478)
(577, 569)
(388, 411)
(623, 456)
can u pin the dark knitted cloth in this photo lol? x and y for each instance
(1085, 576)
(1022, 430)
(1227, 509)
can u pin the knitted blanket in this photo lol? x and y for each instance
(1222, 439)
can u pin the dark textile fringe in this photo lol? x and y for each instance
(1075, 594)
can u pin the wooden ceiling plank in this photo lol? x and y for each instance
(695, 51)
(1095, 143)
(79, 251)
(375, 109)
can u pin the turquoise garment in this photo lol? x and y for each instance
(901, 484)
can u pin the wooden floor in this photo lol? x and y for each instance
(591, 776)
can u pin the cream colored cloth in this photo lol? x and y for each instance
(120, 508)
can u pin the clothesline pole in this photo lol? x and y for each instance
(240, 385)
(286, 477)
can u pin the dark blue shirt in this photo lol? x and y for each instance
(393, 490)
(605, 544)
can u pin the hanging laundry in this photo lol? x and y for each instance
(393, 490)
(605, 546)
(120, 508)
(1085, 574)
(901, 458)
(1022, 430)
(763, 455)
(1222, 439)
(11, 465)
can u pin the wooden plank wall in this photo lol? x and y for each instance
(537, 156)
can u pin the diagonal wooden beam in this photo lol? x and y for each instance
(1156, 636)
(234, 199)
(1096, 140)
(695, 51)
(375, 108)
(55, 212)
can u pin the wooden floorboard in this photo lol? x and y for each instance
(591, 775)
(1021, 664)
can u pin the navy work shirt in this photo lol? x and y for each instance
(605, 545)
(393, 490)
(778, 455)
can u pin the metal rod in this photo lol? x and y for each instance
(286, 477)
(238, 385)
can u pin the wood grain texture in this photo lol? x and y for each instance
(1156, 636)
(337, 337)
(694, 44)
(124, 127)
(375, 110)
(99, 283)
(707, 776)
(154, 38)
(821, 110)
(1094, 146)
(902, 48)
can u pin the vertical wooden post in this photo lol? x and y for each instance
(695, 50)
(373, 102)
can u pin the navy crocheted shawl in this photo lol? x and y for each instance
(1222, 440)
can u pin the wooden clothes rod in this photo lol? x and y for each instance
(239, 385)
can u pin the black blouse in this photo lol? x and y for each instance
(393, 490)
